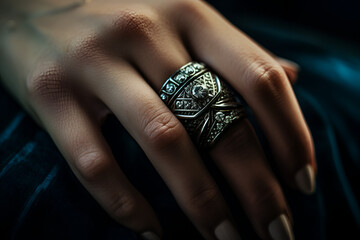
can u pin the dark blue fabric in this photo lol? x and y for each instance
(40, 197)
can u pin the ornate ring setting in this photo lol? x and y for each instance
(202, 102)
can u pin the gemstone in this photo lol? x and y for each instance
(163, 97)
(188, 89)
(227, 119)
(199, 91)
(219, 126)
(180, 77)
(219, 116)
(170, 88)
(187, 105)
(189, 70)
(198, 66)
(179, 104)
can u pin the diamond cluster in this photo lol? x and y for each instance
(195, 96)
(186, 104)
(175, 81)
(202, 102)
(222, 121)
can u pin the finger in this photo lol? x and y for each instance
(263, 84)
(160, 67)
(167, 145)
(239, 156)
(291, 68)
(81, 142)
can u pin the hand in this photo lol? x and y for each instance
(70, 69)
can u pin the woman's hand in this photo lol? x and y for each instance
(70, 69)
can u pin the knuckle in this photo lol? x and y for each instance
(48, 89)
(123, 207)
(91, 165)
(45, 83)
(266, 77)
(162, 129)
(85, 48)
(139, 24)
(203, 198)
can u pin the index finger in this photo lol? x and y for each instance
(264, 85)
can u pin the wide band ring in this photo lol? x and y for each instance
(202, 102)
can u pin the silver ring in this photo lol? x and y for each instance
(202, 102)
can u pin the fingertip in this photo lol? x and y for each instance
(281, 229)
(288, 63)
(305, 179)
(148, 235)
(226, 231)
(291, 69)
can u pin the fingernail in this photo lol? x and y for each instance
(305, 179)
(150, 236)
(289, 63)
(280, 228)
(291, 68)
(226, 231)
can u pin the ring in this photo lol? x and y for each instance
(202, 102)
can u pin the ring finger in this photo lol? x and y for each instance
(166, 143)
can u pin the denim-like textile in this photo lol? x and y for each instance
(40, 198)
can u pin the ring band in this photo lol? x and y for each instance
(202, 102)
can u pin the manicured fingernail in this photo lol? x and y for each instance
(290, 68)
(305, 179)
(280, 228)
(150, 236)
(226, 231)
(288, 63)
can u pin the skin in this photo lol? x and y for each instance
(69, 70)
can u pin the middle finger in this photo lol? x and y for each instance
(238, 155)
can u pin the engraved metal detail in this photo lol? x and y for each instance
(203, 103)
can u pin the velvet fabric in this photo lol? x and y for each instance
(40, 198)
